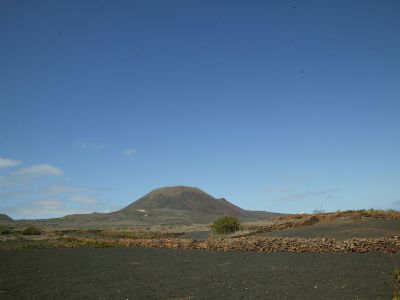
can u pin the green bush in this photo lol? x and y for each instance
(31, 230)
(4, 230)
(225, 225)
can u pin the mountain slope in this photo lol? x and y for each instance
(184, 198)
(4, 217)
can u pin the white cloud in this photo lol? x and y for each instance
(13, 194)
(91, 145)
(8, 162)
(396, 203)
(22, 196)
(61, 189)
(28, 174)
(47, 208)
(50, 204)
(327, 194)
(129, 151)
(54, 208)
(83, 199)
(39, 170)
(278, 190)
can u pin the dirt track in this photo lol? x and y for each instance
(140, 273)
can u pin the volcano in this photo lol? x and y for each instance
(185, 198)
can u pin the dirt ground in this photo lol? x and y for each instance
(343, 229)
(142, 273)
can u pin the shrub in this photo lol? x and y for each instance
(311, 221)
(31, 230)
(225, 225)
(4, 230)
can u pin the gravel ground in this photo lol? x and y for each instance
(141, 273)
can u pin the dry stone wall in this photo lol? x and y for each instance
(257, 244)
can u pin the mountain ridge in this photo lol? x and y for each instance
(176, 205)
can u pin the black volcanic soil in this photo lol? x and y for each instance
(140, 273)
(344, 229)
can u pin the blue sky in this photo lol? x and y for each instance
(283, 106)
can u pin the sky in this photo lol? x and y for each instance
(284, 106)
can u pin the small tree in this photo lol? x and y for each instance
(31, 230)
(225, 225)
(4, 230)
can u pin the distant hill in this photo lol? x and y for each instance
(166, 206)
(4, 217)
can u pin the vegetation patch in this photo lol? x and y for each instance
(4, 230)
(113, 233)
(31, 230)
(226, 225)
(71, 242)
(139, 234)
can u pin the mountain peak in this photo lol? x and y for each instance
(176, 190)
(185, 198)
